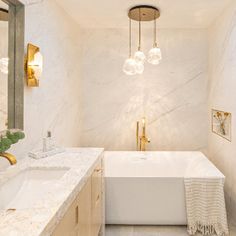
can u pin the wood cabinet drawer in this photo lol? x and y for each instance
(84, 217)
(69, 222)
(84, 203)
(77, 220)
(97, 199)
(96, 183)
(97, 216)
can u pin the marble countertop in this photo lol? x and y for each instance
(46, 214)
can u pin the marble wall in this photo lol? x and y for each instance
(221, 90)
(54, 105)
(85, 99)
(3, 75)
(172, 96)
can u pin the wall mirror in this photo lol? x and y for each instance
(11, 64)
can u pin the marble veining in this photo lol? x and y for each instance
(42, 219)
(3, 76)
(172, 95)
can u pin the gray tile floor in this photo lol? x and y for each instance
(112, 230)
(145, 231)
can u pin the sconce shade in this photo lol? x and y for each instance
(34, 65)
(4, 65)
(37, 64)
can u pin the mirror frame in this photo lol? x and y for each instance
(16, 64)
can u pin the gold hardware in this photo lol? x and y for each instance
(11, 209)
(144, 13)
(77, 214)
(137, 134)
(141, 140)
(98, 170)
(97, 200)
(33, 65)
(12, 160)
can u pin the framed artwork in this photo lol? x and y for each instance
(221, 123)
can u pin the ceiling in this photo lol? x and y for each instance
(174, 13)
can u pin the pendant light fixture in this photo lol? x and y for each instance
(129, 66)
(135, 65)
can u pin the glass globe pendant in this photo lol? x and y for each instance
(139, 68)
(154, 55)
(139, 56)
(129, 67)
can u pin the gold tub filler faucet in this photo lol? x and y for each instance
(142, 140)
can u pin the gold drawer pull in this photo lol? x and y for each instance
(98, 170)
(77, 214)
(98, 197)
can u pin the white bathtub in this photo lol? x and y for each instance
(147, 188)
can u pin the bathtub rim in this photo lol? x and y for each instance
(218, 175)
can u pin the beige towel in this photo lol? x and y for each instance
(205, 203)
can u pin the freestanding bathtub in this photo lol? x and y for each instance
(147, 188)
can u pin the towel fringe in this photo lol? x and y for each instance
(209, 229)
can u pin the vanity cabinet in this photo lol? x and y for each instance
(68, 225)
(84, 217)
(84, 212)
(96, 200)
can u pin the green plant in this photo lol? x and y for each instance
(11, 137)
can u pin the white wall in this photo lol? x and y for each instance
(172, 96)
(222, 91)
(3, 77)
(85, 99)
(54, 105)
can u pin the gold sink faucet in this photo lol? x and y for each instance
(9, 157)
(142, 140)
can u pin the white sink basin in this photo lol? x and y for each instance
(28, 187)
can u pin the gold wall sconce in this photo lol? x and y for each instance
(34, 65)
